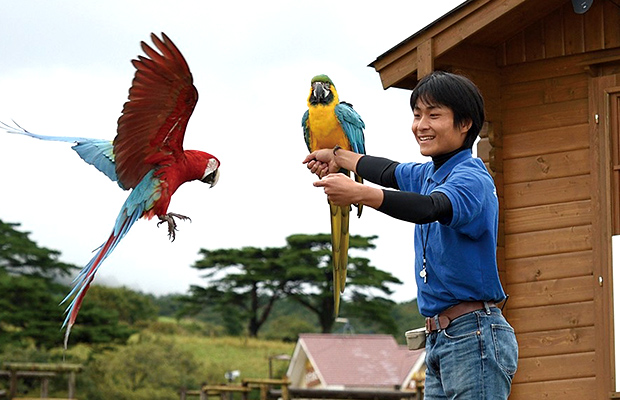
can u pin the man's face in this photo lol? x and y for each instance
(434, 130)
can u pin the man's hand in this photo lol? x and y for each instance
(322, 162)
(340, 189)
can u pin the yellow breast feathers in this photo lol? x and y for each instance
(325, 129)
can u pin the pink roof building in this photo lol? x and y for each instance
(337, 361)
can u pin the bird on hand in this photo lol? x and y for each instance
(329, 123)
(147, 154)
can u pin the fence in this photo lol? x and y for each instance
(44, 372)
(265, 386)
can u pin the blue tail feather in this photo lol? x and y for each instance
(141, 198)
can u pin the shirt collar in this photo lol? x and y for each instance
(442, 173)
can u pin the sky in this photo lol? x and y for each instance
(66, 71)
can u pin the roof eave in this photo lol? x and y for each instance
(402, 60)
(417, 34)
(490, 20)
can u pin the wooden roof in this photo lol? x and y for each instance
(475, 24)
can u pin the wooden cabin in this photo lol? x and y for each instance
(551, 81)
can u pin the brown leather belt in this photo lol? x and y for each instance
(450, 314)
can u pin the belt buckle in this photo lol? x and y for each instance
(427, 325)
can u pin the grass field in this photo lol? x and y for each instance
(250, 356)
(157, 361)
(219, 354)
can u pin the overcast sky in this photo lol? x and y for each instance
(66, 70)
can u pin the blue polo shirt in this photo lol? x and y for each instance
(461, 260)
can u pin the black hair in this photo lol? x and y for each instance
(456, 92)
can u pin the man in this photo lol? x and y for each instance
(471, 350)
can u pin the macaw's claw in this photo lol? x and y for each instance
(172, 225)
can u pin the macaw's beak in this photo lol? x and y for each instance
(318, 91)
(212, 178)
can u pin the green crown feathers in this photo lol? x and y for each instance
(322, 78)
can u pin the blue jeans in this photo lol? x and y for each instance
(475, 358)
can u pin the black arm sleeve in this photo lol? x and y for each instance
(378, 170)
(417, 208)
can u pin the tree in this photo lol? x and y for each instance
(131, 306)
(29, 310)
(109, 315)
(150, 369)
(21, 256)
(30, 314)
(169, 305)
(100, 325)
(287, 320)
(244, 284)
(407, 317)
(312, 256)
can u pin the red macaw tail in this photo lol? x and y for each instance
(82, 282)
(141, 198)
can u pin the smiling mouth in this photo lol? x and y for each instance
(425, 138)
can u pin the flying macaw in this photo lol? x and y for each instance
(146, 155)
(328, 123)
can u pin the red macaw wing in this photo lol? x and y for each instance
(151, 128)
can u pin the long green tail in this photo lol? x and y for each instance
(340, 249)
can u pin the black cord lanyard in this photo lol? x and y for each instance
(423, 272)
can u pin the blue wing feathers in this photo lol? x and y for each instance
(96, 152)
(304, 125)
(352, 125)
(21, 131)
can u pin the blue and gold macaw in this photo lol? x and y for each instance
(328, 123)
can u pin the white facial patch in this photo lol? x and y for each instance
(212, 165)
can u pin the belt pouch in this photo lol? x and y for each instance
(416, 338)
